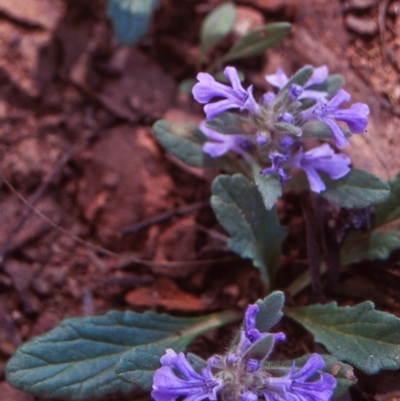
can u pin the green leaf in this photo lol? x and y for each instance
(185, 142)
(131, 18)
(77, 359)
(301, 77)
(137, 366)
(357, 189)
(331, 85)
(360, 335)
(257, 41)
(289, 128)
(227, 123)
(318, 129)
(270, 312)
(255, 232)
(217, 25)
(384, 236)
(186, 85)
(389, 211)
(269, 186)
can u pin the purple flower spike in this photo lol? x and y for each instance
(328, 112)
(223, 143)
(251, 316)
(234, 96)
(322, 158)
(280, 79)
(177, 378)
(295, 386)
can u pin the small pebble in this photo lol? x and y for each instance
(359, 4)
(362, 26)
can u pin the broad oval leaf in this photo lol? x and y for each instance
(227, 123)
(77, 359)
(384, 235)
(138, 365)
(257, 41)
(185, 142)
(255, 232)
(269, 186)
(357, 189)
(217, 25)
(131, 18)
(360, 335)
(332, 84)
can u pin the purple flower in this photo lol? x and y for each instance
(242, 374)
(322, 158)
(223, 143)
(296, 386)
(280, 79)
(233, 97)
(286, 117)
(278, 159)
(328, 112)
(177, 378)
(251, 333)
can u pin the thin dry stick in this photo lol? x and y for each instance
(122, 259)
(181, 211)
(52, 224)
(383, 6)
(29, 205)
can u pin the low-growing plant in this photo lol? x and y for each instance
(283, 141)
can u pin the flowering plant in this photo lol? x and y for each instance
(267, 146)
(243, 373)
(278, 126)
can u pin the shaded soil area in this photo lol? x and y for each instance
(81, 170)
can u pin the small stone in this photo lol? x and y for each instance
(274, 6)
(361, 25)
(359, 4)
(42, 286)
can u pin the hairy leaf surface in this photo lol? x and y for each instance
(255, 232)
(360, 335)
(77, 359)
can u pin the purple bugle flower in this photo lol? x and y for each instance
(223, 143)
(328, 112)
(233, 97)
(297, 386)
(176, 378)
(322, 158)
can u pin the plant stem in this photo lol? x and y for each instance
(301, 282)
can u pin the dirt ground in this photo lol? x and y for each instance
(76, 111)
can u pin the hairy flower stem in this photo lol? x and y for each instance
(301, 282)
(313, 247)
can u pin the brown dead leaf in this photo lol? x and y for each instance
(165, 293)
(39, 13)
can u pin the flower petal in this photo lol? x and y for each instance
(279, 79)
(355, 117)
